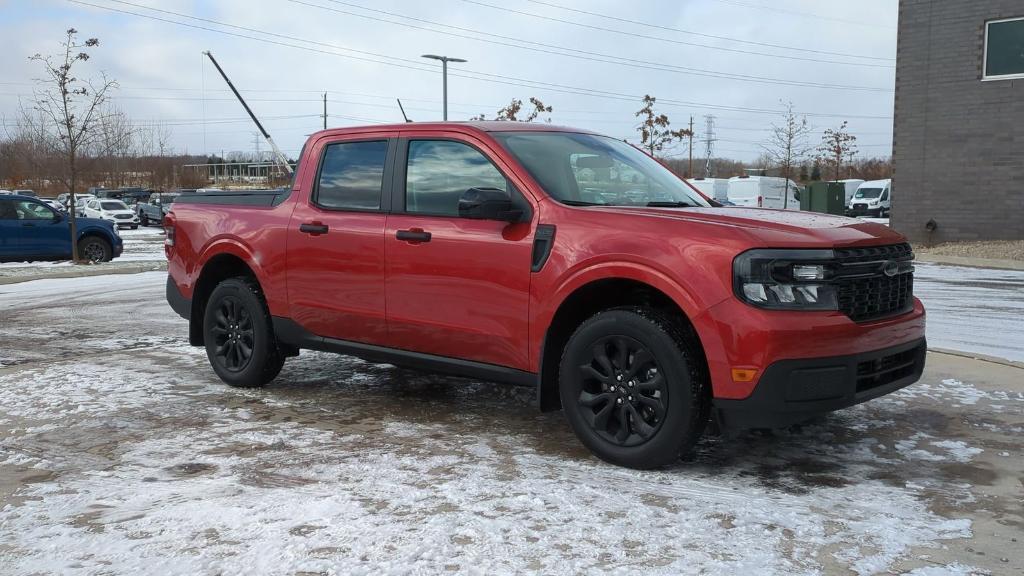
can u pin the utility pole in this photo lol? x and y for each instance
(325, 110)
(709, 144)
(444, 77)
(689, 170)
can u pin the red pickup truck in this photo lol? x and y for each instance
(555, 258)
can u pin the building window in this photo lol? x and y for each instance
(1004, 49)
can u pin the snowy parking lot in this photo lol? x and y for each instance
(121, 452)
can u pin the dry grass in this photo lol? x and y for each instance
(999, 250)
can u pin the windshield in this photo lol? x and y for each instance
(113, 205)
(868, 193)
(585, 169)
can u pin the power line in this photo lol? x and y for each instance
(702, 34)
(473, 75)
(800, 13)
(669, 40)
(577, 53)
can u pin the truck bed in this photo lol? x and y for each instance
(236, 197)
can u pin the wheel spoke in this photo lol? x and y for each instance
(641, 358)
(654, 404)
(623, 434)
(245, 349)
(602, 416)
(218, 330)
(639, 425)
(601, 356)
(652, 385)
(591, 400)
(621, 353)
(591, 372)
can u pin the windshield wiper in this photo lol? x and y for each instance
(671, 204)
(581, 203)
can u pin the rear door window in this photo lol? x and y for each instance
(352, 175)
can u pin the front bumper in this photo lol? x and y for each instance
(792, 391)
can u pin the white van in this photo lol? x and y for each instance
(714, 188)
(763, 192)
(873, 198)
(851, 185)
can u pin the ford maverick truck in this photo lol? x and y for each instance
(555, 258)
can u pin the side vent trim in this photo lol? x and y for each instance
(543, 240)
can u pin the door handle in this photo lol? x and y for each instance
(414, 235)
(313, 228)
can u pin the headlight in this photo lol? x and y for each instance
(786, 279)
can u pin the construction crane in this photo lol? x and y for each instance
(279, 156)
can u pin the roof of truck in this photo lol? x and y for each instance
(466, 127)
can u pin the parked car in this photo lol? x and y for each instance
(763, 192)
(32, 230)
(113, 211)
(153, 211)
(28, 193)
(80, 202)
(470, 248)
(53, 204)
(872, 198)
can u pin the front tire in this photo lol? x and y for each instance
(143, 219)
(633, 388)
(239, 334)
(95, 249)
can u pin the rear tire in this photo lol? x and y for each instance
(239, 334)
(633, 387)
(95, 249)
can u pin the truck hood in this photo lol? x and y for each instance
(779, 228)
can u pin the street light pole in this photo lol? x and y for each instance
(444, 77)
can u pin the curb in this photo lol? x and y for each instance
(978, 357)
(88, 270)
(971, 262)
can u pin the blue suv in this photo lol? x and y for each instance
(31, 230)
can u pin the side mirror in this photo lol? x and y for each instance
(488, 204)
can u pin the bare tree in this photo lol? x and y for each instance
(654, 129)
(72, 107)
(837, 145)
(511, 112)
(787, 145)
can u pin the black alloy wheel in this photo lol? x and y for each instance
(233, 334)
(94, 249)
(634, 386)
(239, 334)
(623, 394)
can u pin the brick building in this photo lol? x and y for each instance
(958, 147)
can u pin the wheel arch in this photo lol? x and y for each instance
(215, 269)
(594, 295)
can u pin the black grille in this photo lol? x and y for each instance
(123, 216)
(886, 370)
(865, 292)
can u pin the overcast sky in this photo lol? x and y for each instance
(592, 60)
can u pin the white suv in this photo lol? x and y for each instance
(113, 211)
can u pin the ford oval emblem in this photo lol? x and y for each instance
(891, 268)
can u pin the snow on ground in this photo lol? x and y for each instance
(976, 310)
(145, 463)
